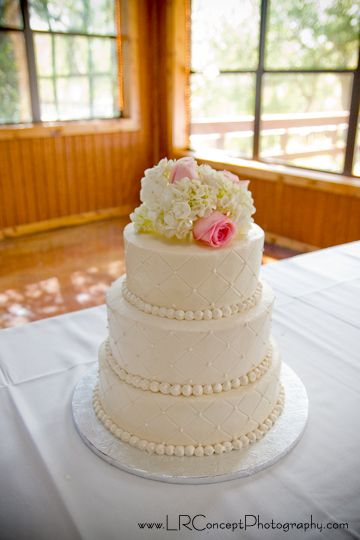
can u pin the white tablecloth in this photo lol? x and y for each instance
(53, 487)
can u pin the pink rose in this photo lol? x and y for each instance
(183, 168)
(215, 230)
(235, 179)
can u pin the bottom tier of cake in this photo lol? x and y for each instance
(188, 425)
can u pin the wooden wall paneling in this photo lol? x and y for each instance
(48, 149)
(85, 174)
(345, 218)
(27, 172)
(161, 74)
(118, 146)
(272, 206)
(40, 179)
(61, 178)
(264, 194)
(128, 161)
(89, 170)
(80, 184)
(273, 220)
(79, 179)
(8, 202)
(108, 171)
(71, 175)
(141, 165)
(255, 187)
(330, 220)
(353, 222)
(155, 76)
(99, 166)
(285, 223)
(137, 168)
(116, 165)
(18, 181)
(293, 212)
(338, 207)
(305, 213)
(321, 217)
(2, 186)
(104, 180)
(297, 211)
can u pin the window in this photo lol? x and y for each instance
(277, 81)
(58, 60)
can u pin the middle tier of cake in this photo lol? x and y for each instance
(190, 353)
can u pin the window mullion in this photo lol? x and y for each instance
(54, 77)
(31, 63)
(353, 120)
(259, 77)
(91, 80)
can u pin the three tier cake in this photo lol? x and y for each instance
(189, 367)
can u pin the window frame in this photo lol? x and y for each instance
(126, 37)
(261, 70)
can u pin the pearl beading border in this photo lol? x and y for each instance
(187, 390)
(199, 450)
(198, 315)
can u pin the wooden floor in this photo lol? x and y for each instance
(65, 270)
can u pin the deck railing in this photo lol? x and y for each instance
(282, 125)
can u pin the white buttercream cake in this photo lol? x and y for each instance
(189, 367)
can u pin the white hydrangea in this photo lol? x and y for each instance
(170, 209)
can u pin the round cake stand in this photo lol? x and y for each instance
(277, 442)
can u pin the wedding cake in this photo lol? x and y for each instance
(189, 367)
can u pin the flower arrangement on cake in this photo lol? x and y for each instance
(186, 201)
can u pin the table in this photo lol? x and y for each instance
(53, 487)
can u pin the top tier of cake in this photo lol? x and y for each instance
(189, 276)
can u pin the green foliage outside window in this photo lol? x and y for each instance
(9, 82)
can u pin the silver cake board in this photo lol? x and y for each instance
(277, 442)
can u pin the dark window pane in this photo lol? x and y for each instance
(305, 118)
(222, 113)
(14, 87)
(312, 34)
(10, 14)
(84, 16)
(77, 77)
(225, 34)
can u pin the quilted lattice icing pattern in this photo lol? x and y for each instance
(190, 276)
(189, 352)
(189, 450)
(192, 420)
(187, 389)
